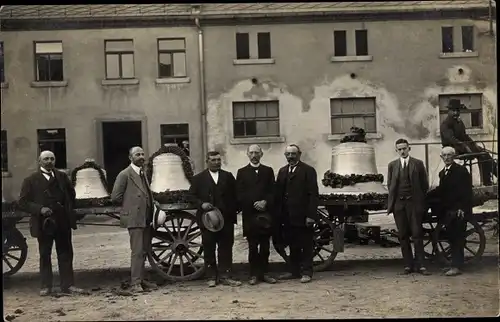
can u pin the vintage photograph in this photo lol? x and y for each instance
(249, 161)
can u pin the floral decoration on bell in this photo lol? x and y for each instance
(335, 180)
(356, 134)
(91, 202)
(369, 200)
(174, 196)
(9, 206)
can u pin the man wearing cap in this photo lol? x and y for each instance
(454, 195)
(215, 189)
(453, 134)
(131, 191)
(255, 189)
(49, 197)
(297, 200)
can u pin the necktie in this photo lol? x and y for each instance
(49, 174)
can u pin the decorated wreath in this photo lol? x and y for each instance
(374, 201)
(9, 206)
(174, 196)
(356, 134)
(335, 180)
(91, 202)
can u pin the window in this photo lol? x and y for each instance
(2, 72)
(361, 42)
(467, 38)
(264, 45)
(448, 46)
(447, 39)
(256, 119)
(174, 133)
(48, 61)
(472, 116)
(242, 46)
(54, 140)
(119, 59)
(5, 160)
(171, 58)
(339, 43)
(349, 112)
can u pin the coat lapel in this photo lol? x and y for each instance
(411, 169)
(136, 179)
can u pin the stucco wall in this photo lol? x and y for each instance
(77, 106)
(406, 76)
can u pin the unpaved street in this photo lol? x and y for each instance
(363, 282)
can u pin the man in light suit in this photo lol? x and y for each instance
(408, 184)
(131, 190)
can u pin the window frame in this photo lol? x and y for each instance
(52, 141)
(334, 43)
(268, 34)
(176, 137)
(171, 53)
(356, 33)
(267, 118)
(353, 115)
(35, 56)
(4, 145)
(120, 60)
(248, 45)
(443, 112)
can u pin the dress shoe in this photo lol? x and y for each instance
(149, 285)
(268, 279)
(407, 271)
(288, 276)
(423, 271)
(74, 290)
(45, 291)
(211, 283)
(252, 280)
(136, 288)
(305, 279)
(453, 272)
(229, 282)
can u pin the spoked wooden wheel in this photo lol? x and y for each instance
(428, 231)
(475, 242)
(14, 251)
(324, 253)
(176, 249)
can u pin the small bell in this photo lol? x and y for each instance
(168, 174)
(89, 185)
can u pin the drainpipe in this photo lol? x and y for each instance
(490, 16)
(203, 106)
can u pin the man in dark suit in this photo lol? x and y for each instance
(455, 203)
(408, 184)
(296, 204)
(453, 134)
(255, 189)
(49, 197)
(216, 188)
(132, 191)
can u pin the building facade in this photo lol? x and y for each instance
(264, 75)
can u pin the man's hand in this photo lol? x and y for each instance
(46, 211)
(207, 206)
(310, 222)
(260, 205)
(460, 213)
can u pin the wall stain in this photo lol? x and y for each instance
(22, 143)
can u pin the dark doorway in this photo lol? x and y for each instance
(117, 139)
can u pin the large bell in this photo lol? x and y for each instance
(354, 158)
(168, 174)
(89, 185)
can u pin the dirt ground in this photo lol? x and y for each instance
(363, 282)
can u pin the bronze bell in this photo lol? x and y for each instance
(88, 184)
(354, 158)
(168, 174)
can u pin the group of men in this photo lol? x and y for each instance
(290, 201)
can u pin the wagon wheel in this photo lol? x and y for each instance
(475, 242)
(428, 230)
(176, 249)
(14, 251)
(324, 253)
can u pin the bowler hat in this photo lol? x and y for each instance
(213, 220)
(49, 226)
(455, 104)
(263, 221)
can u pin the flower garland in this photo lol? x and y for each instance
(335, 180)
(369, 200)
(357, 134)
(91, 202)
(176, 196)
(9, 206)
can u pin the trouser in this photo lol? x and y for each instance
(258, 254)
(64, 250)
(140, 245)
(487, 166)
(409, 224)
(223, 241)
(456, 228)
(301, 242)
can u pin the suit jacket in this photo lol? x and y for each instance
(252, 187)
(129, 192)
(453, 134)
(303, 194)
(454, 190)
(203, 190)
(418, 179)
(33, 198)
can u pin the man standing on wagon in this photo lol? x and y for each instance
(49, 197)
(255, 188)
(408, 184)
